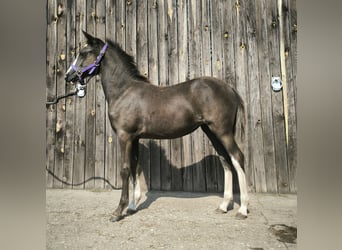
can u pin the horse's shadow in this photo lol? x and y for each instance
(153, 195)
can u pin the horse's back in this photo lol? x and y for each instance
(204, 97)
(194, 88)
(213, 95)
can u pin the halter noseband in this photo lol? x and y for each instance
(90, 69)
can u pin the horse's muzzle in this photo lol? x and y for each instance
(70, 77)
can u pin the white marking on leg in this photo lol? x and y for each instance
(228, 187)
(136, 195)
(74, 63)
(131, 205)
(137, 192)
(243, 186)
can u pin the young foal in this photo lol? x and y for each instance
(138, 109)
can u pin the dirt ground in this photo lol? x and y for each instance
(79, 219)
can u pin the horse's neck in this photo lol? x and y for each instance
(114, 85)
(114, 88)
(115, 79)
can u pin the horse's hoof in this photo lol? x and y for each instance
(220, 211)
(240, 216)
(131, 211)
(115, 218)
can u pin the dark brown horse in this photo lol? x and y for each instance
(138, 109)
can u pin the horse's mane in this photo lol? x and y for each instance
(128, 61)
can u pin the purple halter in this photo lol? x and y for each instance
(89, 70)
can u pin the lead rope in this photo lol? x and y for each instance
(80, 91)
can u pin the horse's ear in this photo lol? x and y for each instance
(90, 40)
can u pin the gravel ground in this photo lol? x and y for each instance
(79, 219)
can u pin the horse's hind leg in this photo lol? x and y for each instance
(228, 179)
(228, 186)
(227, 148)
(237, 159)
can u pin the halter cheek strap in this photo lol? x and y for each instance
(90, 69)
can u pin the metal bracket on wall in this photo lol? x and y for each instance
(276, 84)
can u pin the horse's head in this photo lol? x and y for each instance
(87, 61)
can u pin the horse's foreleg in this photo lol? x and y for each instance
(126, 154)
(135, 179)
(132, 207)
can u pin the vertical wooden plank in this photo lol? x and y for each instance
(51, 43)
(241, 79)
(206, 29)
(256, 140)
(165, 168)
(131, 28)
(281, 17)
(293, 36)
(216, 34)
(183, 75)
(110, 19)
(292, 147)
(175, 144)
(141, 38)
(228, 38)
(131, 22)
(210, 161)
(290, 36)
(120, 26)
(60, 106)
(277, 102)
(90, 109)
(187, 163)
(80, 107)
(100, 104)
(120, 23)
(142, 63)
(195, 46)
(205, 38)
(265, 97)
(110, 140)
(153, 76)
(110, 154)
(195, 55)
(217, 71)
(70, 104)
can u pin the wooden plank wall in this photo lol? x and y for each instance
(174, 40)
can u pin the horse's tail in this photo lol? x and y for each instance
(240, 119)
